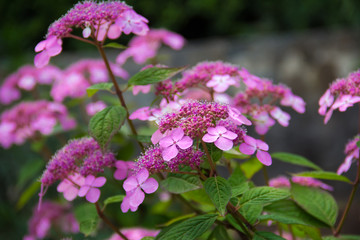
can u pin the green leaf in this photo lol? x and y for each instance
(239, 189)
(29, 171)
(153, 75)
(342, 237)
(358, 144)
(113, 199)
(234, 153)
(312, 232)
(295, 159)
(115, 45)
(288, 212)
(143, 138)
(251, 167)
(251, 212)
(28, 194)
(316, 202)
(214, 152)
(87, 217)
(148, 238)
(219, 233)
(238, 182)
(263, 195)
(181, 183)
(324, 175)
(104, 124)
(177, 219)
(188, 229)
(219, 191)
(267, 236)
(99, 86)
(198, 196)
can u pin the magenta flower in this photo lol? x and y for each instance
(237, 117)
(95, 107)
(344, 102)
(280, 181)
(70, 186)
(325, 101)
(220, 136)
(281, 116)
(123, 169)
(134, 186)
(49, 47)
(252, 145)
(220, 83)
(90, 188)
(263, 122)
(132, 22)
(296, 102)
(135, 233)
(352, 152)
(311, 182)
(169, 143)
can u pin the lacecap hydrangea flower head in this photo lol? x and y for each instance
(97, 21)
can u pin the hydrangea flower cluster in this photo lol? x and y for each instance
(142, 48)
(51, 215)
(282, 181)
(95, 107)
(27, 119)
(97, 20)
(342, 93)
(81, 75)
(259, 101)
(352, 154)
(82, 156)
(26, 78)
(135, 233)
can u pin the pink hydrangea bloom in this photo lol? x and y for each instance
(142, 48)
(220, 136)
(170, 143)
(280, 181)
(135, 233)
(220, 83)
(311, 182)
(144, 89)
(95, 107)
(70, 186)
(26, 78)
(90, 188)
(252, 145)
(341, 94)
(352, 153)
(281, 116)
(26, 119)
(51, 215)
(236, 116)
(134, 187)
(263, 122)
(123, 169)
(97, 20)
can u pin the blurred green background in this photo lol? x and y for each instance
(24, 23)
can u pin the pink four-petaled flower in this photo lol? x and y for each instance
(134, 186)
(236, 116)
(70, 187)
(220, 136)
(169, 143)
(252, 145)
(49, 47)
(220, 83)
(90, 188)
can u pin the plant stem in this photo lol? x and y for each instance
(351, 198)
(293, 237)
(212, 165)
(240, 220)
(266, 175)
(118, 92)
(107, 221)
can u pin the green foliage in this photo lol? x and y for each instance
(324, 175)
(251, 167)
(238, 182)
(181, 183)
(219, 191)
(214, 152)
(267, 236)
(263, 195)
(251, 212)
(97, 87)
(188, 229)
(87, 217)
(28, 194)
(288, 212)
(316, 202)
(104, 124)
(154, 75)
(115, 45)
(295, 159)
(219, 233)
(113, 199)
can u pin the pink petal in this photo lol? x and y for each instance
(210, 138)
(166, 142)
(157, 135)
(137, 198)
(224, 143)
(177, 134)
(120, 174)
(213, 131)
(89, 180)
(169, 153)
(40, 46)
(247, 149)
(93, 195)
(114, 32)
(264, 157)
(150, 185)
(83, 190)
(86, 32)
(71, 193)
(130, 184)
(142, 175)
(41, 59)
(250, 140)
(185, 142)
(230, 135)
(262, 145)
(125, 205)
(63, 185)
(99, 182)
